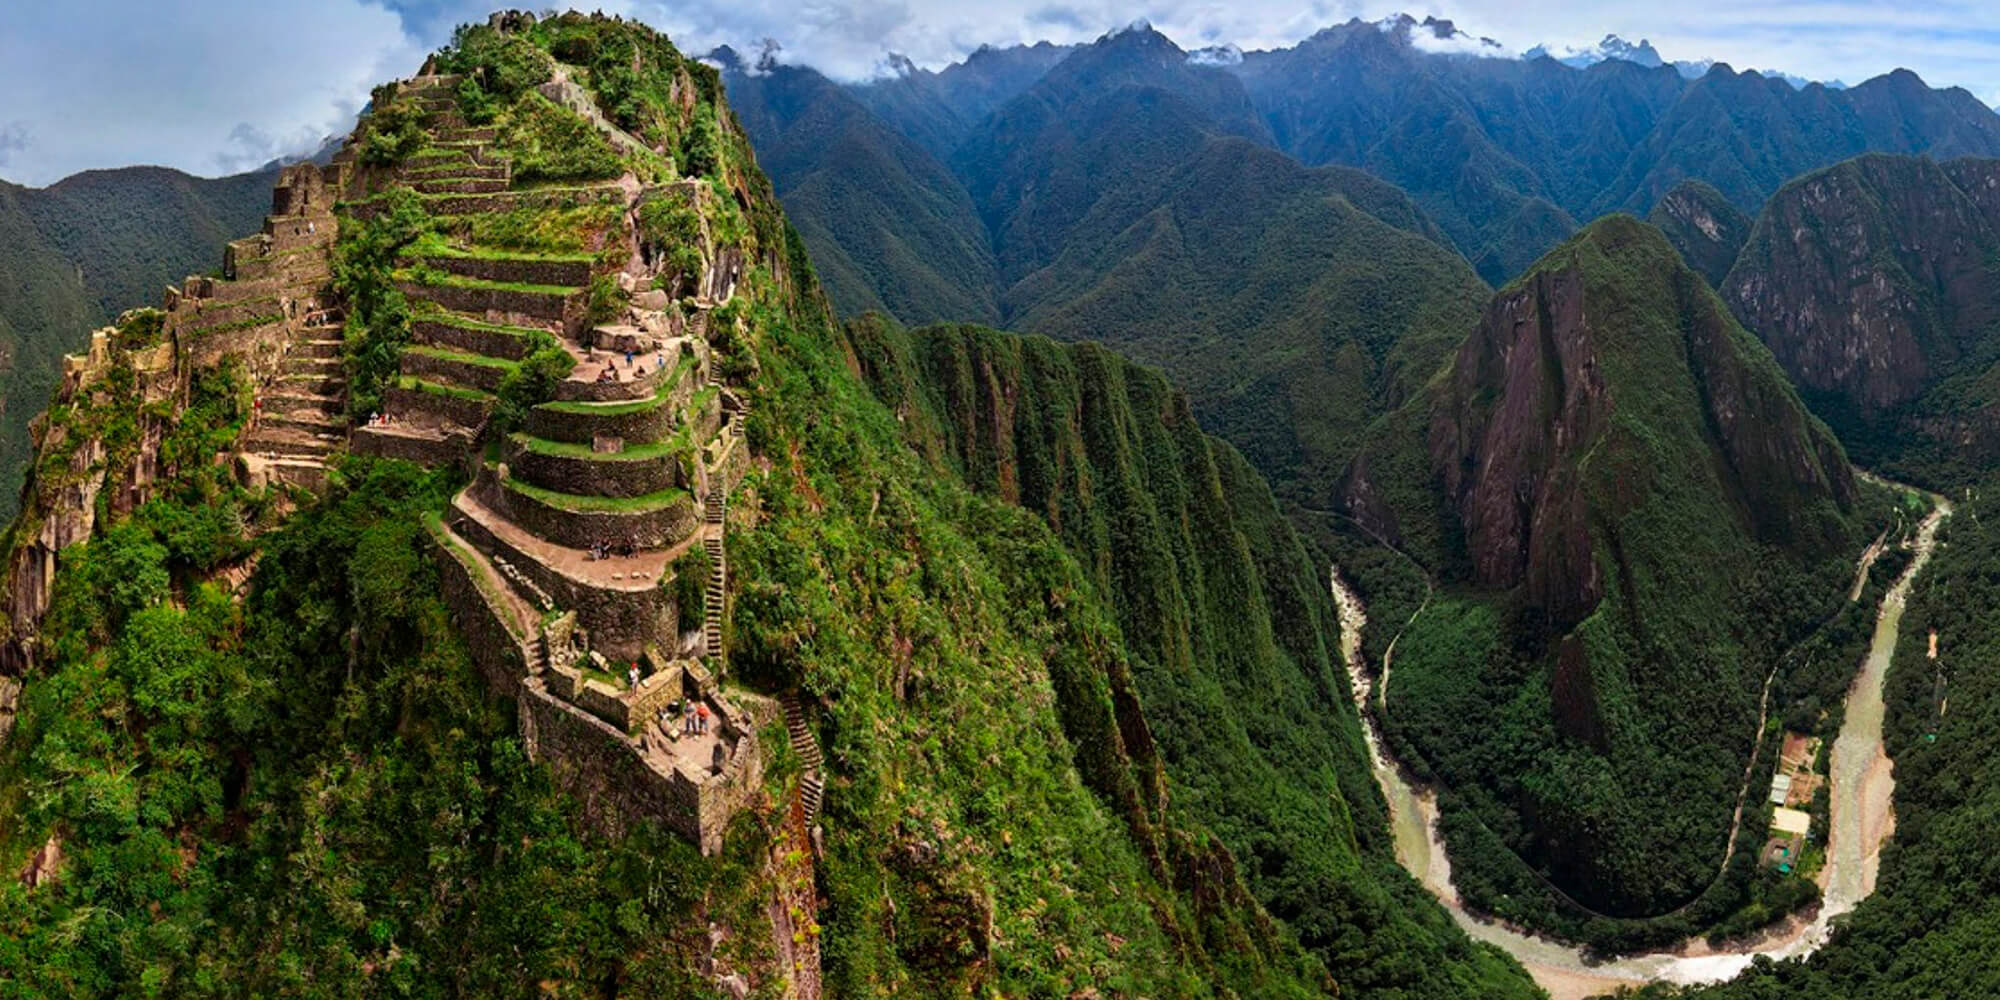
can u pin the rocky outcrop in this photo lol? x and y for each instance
(1874, 281)
(1704, 226)
(1570, 359)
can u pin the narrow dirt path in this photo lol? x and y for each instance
(1862, 818)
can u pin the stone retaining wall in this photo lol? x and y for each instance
(492, 343)
(508, 306)
(599, 475)
(496, 651)
(434, 410)
(622, 623)
(650, 424)
(466, 373)
(425, 451)
(653, 529)
(572, 273)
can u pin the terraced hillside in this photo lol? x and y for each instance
(599, 452)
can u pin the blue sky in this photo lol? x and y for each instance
(216, 86)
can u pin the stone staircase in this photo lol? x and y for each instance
(713, 597)
(301, 417)
(812, 781)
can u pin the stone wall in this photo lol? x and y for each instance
(492, 343)
(622, 621)
(496, 651)
(427, 451)
(650, 423)
(649, 529)
(611, 392)
(529, 271)
(606, 772)
(483, 377)
(512, 307)
(606, 475)
(434, 410)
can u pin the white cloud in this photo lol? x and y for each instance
(191, 85)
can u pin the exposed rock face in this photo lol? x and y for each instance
(1525, 395)
(1529, 399)
(1610, 467)
(1874, 280)
(1703, 225)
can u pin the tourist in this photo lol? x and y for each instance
(701, 715)
(632, 675)
(687, 717)
(628, 357)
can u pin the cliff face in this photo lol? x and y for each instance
(1516, 431)
(1875, 282)
(1631, 497)
(1704, 226)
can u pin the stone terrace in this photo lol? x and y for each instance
(559, 558)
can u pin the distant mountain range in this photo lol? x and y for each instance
(1202, 212)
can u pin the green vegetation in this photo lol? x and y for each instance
(532, 381)
(600, 505)
(81, 252)
(1226, 616)
(671, 225)
(537, 229)
(1926, 931)
(313, 786)
(647, 452)
(659, 398)
(1586, 684)
(690, 584)
(547, 142)
(378, 316)
(390, 131)
(414, 384)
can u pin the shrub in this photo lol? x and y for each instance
(690, 584)
(550, 142)
(607, 300)
(504, 64)
(390, 133)
(378, 319)
(533, 381)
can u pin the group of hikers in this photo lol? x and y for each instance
(609, 373)
(604, 550)
(378, 420)
(693, 715)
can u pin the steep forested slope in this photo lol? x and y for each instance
(1876, 284)
(1293, 304)
(1227, 616)
(889, 227)
(1630, 518)
(77, 253)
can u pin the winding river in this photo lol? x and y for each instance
(1860, 821)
